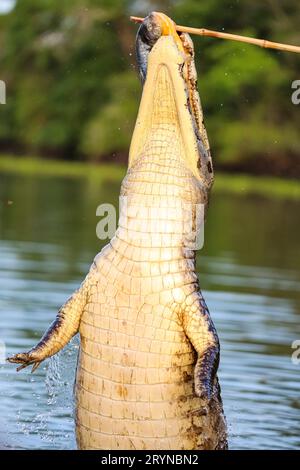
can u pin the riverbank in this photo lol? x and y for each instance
(224, 182)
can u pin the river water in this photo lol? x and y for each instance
(249, 273)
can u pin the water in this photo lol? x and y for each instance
(250, 275)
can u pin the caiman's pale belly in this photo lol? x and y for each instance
(134, 387)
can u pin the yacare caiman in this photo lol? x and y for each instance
(149, 352)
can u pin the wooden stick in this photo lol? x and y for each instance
(233, 37)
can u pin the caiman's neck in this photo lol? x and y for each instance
(162, 189)
(159, 200)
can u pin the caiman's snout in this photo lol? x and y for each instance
(152, 28)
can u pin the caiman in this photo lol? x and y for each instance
(149, 352)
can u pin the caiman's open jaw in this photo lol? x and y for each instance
(170, 99)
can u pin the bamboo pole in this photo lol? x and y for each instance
(232, 37)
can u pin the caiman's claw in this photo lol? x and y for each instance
(35, 366)
(25, 359)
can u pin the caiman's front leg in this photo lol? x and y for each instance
(60, 332)
(201, 332)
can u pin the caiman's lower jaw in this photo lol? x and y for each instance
(155, 26)
(170, 103)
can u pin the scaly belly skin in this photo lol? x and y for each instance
(135, 380)
(134, 385)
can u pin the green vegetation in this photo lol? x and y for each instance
(41, 167)
(258, 185)
(225, 183)
(73, 92)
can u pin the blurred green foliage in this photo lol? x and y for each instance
(73, 91)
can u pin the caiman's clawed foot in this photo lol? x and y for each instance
(64, 327)
(200, 330)
(26, 359)
(205, 373)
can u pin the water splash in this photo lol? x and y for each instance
(61, 375)
(53, 379)
(54, 425)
